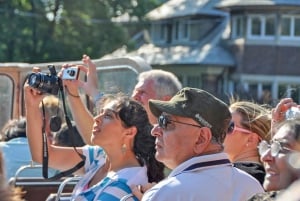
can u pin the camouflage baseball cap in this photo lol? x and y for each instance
(197, 104)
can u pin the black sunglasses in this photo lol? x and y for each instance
(164, 120)
(230, 128)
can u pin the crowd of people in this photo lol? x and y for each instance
(168, 142)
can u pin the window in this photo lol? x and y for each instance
(181, 30)
(159, 32)
(261, 27)
(6, 99)
(176, 31)
(114, 80)
(290, 27)
(237, 27)
(194, 81)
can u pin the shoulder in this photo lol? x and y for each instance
(254, 169)
(291, 193)
(164, 190)
(94, 157)
(113, 190)
(93, 152)
(265, 196)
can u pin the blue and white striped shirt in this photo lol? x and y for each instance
(111, 188)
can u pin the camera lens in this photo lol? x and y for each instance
(71, 72)
(34, 80)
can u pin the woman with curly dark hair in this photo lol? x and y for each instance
(122, 155)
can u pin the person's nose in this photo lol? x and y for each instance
(156, 131)
(136, 96)
(97, 119)
(266, 156)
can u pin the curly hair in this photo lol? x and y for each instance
(131, 114)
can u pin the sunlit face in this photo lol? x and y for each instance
(235, 142)
(107, 128)
(143, 91)
(174, 144)
(279, 173)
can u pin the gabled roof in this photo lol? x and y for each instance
(176, 55)
(181, 8)
(179, 55)
(240, 3)
(208, 51)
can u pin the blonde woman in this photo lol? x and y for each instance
(250, 125)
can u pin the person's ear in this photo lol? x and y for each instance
(166, 98)
(131, 132)
(203, 140)
(253, 139)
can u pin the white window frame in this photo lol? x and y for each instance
(262, 35)
(235, 24)
(178, 29)
(292, 28)
(156, 30)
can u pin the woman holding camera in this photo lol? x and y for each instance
(123, 154)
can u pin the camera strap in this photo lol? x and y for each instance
(45, 145)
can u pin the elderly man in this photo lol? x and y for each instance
(189, 135)
(153, 84)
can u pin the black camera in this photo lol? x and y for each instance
(46, 83)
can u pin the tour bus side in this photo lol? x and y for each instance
(119, 72)
(114, 75)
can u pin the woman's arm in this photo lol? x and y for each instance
(59, 158)
(81, 115)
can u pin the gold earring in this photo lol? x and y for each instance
(124, 148)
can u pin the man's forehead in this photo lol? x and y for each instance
(145, 82)
(111, 105)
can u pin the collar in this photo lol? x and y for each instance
(201, 162)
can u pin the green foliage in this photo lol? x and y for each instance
(59, 30)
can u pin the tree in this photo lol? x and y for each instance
(60, 30)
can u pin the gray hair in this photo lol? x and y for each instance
(165, 82)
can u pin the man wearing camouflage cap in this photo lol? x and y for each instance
(189, 136)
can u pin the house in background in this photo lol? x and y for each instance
(243, 47)
(265, 42)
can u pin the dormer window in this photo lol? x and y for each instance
(290, 27)
(261, 27)
(181, 30)
(237, 27)
(159, 32)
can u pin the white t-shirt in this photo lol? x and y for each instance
(208, 178)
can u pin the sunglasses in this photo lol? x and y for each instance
(164, 121)
(232, 127)
(275, 147)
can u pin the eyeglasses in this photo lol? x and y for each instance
(275, 147)
(232, 127)
(164, 120)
